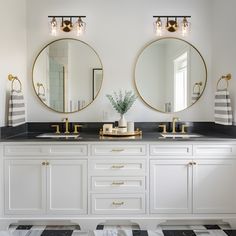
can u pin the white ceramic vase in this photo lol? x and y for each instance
(122, 122)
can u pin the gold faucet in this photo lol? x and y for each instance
(67, 125)
(174, 120)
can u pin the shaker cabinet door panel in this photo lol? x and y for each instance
(25, 182)
(67, 187)
(214, 188)
(170, 186)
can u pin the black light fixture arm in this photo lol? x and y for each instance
(172, 16)
(66, 16)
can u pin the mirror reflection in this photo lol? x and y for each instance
(170, 75)
(67, 75)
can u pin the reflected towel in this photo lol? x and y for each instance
(223, 110)
(16, 114)
(42, 97)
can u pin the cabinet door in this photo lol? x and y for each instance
(170, 186)
(25, 187)
(67, 187)
(214, 189)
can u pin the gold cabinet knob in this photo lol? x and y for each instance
(47, 163)
(44, 163)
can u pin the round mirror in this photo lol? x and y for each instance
(67, 75)
(170, 75)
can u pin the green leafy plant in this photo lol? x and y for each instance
(122, 102)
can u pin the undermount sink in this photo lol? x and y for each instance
(179, 135)
(53, 135)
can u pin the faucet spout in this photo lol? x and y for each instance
(66, 125)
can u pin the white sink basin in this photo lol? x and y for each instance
(179, 135)
(53, 135)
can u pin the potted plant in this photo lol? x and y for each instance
(122, 103)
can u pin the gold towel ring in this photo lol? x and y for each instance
(197, 85)
(226, 78)
(13, 79)
(39, 86)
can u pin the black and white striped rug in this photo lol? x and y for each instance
(196, 230)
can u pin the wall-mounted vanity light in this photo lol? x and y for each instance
(171, 24)
(67, 24)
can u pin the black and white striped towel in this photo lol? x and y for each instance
(195, 96)
(16, 115)
(223, 110)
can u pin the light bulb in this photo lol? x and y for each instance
(185, 27)
(53, 26)
(80, 27)
(158, 27)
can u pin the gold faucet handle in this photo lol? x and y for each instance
(57, 128)
(163, 128)
(183, 129)
(76, 127)
(65, 119)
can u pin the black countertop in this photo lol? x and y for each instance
(93, 137)
(28, 132)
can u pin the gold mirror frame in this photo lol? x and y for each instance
(140, 53)
(35, 90)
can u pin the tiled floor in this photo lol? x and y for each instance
(196, 230)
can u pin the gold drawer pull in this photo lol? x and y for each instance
(117, 183)
(117, 166)
(117, 203)
(117, 150)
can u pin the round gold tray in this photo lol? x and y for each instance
(126, 134)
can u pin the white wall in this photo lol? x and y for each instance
(118, 30)
(12, 48)
(224, 48)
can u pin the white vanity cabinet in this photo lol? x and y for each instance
(214, 178)
(202, 182)
(25, 187)
(144, 182)
(42, 183)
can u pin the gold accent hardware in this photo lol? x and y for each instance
(194, 163)
(174, 120)
(44, 163)
(226, 78)
(118, 183)
(47, 163)
(67, 125)
(190, 163)
(117, 150)
(117, 203)
(57, 128)
(183, 129)
(76, 127)
(117, 166)
(164, 128)
(13, 79)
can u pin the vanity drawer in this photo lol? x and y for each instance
(119, 150)
(119, 167)
(118, 204)
(214, 150)
(45, 150)
(118, 184)
(170, 150)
